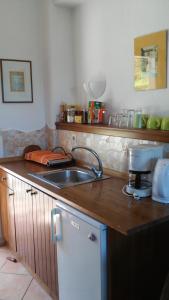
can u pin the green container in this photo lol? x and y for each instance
(95, 104)
(144, 119)
(154, 122)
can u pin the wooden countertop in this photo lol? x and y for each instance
(102, 200)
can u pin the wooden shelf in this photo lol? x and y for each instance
(141, 134)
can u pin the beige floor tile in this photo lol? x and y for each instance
(14, 268)
(4, 249)
(4, 253)
(2, 259)
(13, 287)
(35, 292)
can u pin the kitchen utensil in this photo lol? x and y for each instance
(160, 188)
(142, 159)
(96, 88)
(154, 122)
(130, 118)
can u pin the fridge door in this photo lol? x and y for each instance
(82, 255)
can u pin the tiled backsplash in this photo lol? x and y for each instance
(113, 151)
(12, 142)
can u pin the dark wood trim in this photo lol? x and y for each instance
(10, 158)
(140, 134)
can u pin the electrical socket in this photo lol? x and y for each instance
(74, 140)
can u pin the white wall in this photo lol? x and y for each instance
(104, 32)
(59, 63)
(21, 37)
(70, 45)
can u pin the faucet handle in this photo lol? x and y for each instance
(97, 172)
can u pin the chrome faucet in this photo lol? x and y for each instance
(98, 172)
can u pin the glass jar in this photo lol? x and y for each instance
(70, 115)
(78, 116)
(62, 114)
(84, 116)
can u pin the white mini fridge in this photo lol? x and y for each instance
(81, 254)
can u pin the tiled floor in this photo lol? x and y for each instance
(15, 281)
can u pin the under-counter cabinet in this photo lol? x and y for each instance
(81, 254)
(26, 226)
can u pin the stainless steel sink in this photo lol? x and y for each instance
(67, 177)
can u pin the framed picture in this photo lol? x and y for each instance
(150, 65)
(16, 79)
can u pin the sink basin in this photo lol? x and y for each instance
(67, 177)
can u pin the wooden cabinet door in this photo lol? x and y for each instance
(24, 222)
(11, 213)
(3, 204)
(45, 250)
(7, 209)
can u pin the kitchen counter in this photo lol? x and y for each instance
(102, 200)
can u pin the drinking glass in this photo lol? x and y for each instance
(130, 118)
(138, 119)
(122, 120)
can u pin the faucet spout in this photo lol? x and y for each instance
(98, 172)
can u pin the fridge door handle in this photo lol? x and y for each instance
(56, 232)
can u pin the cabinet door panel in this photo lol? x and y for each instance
(18, 217)
(11, 213)
(24, 223)
(29, 230)
(45, 250)
(3, 204)
(50, 247)
(7, 209)
(39, 226)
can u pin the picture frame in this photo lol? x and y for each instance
(150, 61)
(16, 81)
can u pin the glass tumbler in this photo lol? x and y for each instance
(118, 119)
(130, 118)
(138, 119)
(123, 120)
(113, 120)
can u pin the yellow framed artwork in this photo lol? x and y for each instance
(150, 61)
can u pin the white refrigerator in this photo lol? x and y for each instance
(81, 254)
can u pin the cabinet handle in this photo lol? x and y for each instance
(56, 225)
(3, 178)
(29, 190)
(11, 194)
(34, 193)
(92, 237)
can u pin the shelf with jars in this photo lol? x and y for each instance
(127, 123)
(133, 133)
